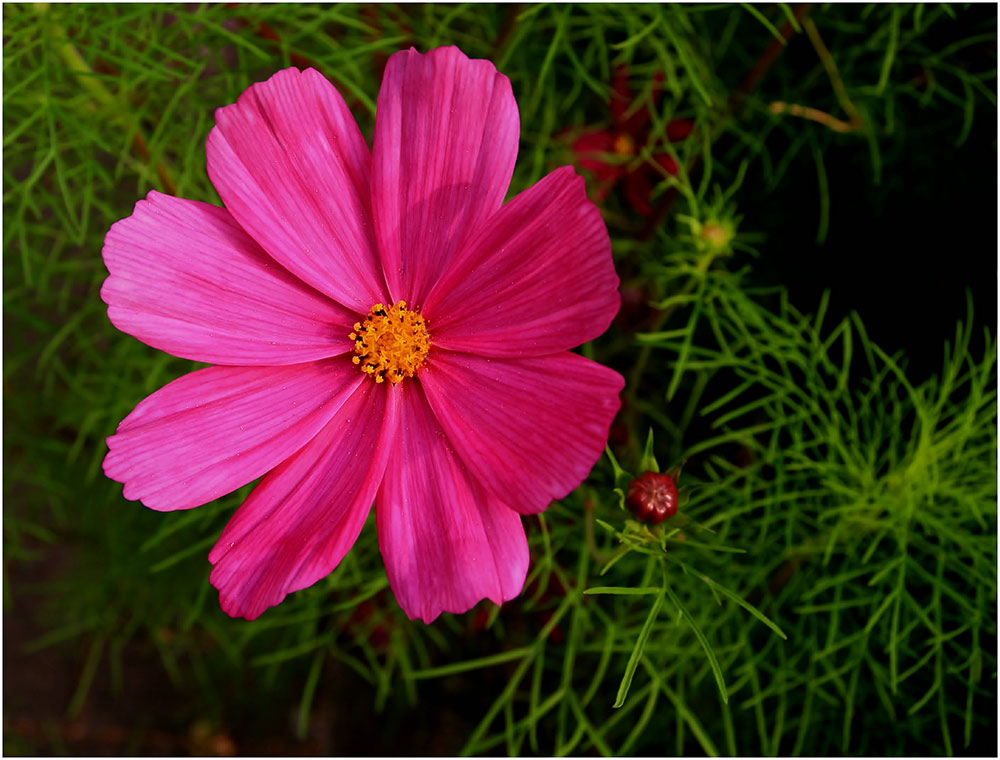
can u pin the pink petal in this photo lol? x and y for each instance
(446, 133)
(186, 279)
(621, 102)
(529, 429)
(666, 161)
(537, 280)
(638, 189)
(446, 542)
(292, 167)
(679, 129)
(214, 430)
(306, 514)
(637, 124)
(621, 95)
(593, 151)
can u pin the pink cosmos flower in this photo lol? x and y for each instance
(383, 328)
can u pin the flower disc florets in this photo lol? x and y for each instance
(391, 343)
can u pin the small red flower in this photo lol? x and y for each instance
(608, 153)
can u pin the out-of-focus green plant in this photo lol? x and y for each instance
(829, 585)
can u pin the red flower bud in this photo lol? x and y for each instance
(652, 497)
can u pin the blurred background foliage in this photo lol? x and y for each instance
(809, 291)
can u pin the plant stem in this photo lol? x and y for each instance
(855, 121)
(635, 377)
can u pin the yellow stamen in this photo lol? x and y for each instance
(624, 145)
(391, 344)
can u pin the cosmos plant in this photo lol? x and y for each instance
(382, 328)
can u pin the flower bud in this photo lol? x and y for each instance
(716, 235)
(652, 497)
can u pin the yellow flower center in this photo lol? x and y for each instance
(391, 343)
(624, 145)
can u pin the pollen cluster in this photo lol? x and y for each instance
(391, 343)
(624, 145)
